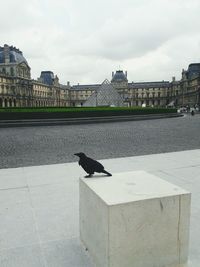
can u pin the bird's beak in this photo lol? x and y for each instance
(76, 154)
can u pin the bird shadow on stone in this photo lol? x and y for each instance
(96, 176)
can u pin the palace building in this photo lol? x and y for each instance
(17, 89)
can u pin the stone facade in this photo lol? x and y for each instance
(190, 86)
(17, 89)
(133, 94)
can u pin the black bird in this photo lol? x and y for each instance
(90, 165)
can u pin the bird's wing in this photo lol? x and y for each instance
(95, 165)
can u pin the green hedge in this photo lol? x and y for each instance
(76, 112)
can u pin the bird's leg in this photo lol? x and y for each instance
(89, 175)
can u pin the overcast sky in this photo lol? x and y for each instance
(83, 41)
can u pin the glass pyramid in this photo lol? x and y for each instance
(105, 95)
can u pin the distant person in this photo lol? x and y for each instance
(192, 112)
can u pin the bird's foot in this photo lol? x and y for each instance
(87, 176)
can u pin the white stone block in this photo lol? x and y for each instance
(134, 219)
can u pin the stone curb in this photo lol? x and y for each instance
(73, 121)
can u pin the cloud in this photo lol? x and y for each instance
(84, 41)
(136, 32)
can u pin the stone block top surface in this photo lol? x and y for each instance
(131, 186)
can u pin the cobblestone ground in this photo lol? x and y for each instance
(56, 144)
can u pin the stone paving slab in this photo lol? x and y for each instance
(39, 217)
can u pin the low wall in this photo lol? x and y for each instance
(12, 115)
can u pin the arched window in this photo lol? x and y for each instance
(6, 103)
(10, 102)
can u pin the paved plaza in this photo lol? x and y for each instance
(39, 208)
(39, 205)
(30, 146)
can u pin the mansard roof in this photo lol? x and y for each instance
(85, 87)
(13, 54)
(119, 76)
(149, 84)
(193, 70)
(47, 77)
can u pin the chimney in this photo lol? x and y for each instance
(173, 79)
(6, 53)
(68, 83)
(126, 73)
(112, 74)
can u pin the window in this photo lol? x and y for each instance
(11, 71)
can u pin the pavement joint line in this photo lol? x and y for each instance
(37, 227)
(17, 247)
(14, 188)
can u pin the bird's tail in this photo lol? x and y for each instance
(109, 174)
